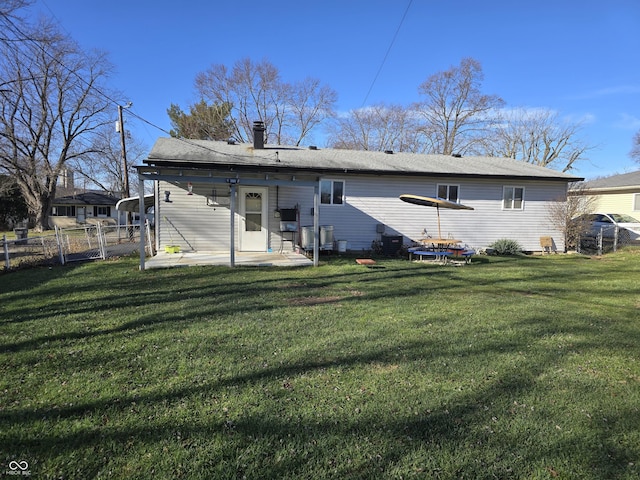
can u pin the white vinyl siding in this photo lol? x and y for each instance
(375, 200)
(371, 200)
(189, 222)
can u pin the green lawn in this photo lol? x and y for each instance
(522, 367)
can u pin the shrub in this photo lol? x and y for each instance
(505, 246)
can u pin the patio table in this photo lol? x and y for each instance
(436, 248)
(439, 243)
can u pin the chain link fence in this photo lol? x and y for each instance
(66, 245)
(608, 239)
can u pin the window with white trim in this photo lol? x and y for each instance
(64, 211)
(331, 192)
(512, 198)
(636, 202)
(101, 211)
(449, 192)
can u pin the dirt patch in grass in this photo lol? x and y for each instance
(384, 367)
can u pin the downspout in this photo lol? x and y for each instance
(316, 227)
(232, 250)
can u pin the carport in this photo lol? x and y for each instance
(132, 204)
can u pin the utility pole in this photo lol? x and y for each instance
(125, 167)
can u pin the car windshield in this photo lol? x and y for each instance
(619, 218)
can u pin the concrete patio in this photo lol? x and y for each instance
(242, 259)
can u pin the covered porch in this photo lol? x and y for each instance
(195, 178)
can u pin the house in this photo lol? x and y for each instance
(614, 194)
(85, 207)
(224, 196)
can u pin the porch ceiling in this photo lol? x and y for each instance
(199, 175)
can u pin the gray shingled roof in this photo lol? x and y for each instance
(87, 198)
(177, 152)
(631, 179)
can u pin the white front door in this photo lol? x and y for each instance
(253, 219)
(81, 214)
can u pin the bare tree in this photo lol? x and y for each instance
(311, 104)
(102, 166)
(50, 111)
(635, 149)
(249, 87)
(538, 136)
(377, 128)
(455, 112)
(564, 212)
(9, 8)
(256, 92)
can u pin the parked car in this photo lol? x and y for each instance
(590, 225)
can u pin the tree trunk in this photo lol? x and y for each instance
(41, 220)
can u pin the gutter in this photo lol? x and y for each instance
(261, 168)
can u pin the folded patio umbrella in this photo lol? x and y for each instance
(433, 202)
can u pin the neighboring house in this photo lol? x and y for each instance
(614, 194)
(211, 196)
(82, 208)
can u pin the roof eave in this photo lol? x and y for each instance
(179, 164)
(597, 190)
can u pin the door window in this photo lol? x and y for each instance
(253, 212)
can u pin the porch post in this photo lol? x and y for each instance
(232, 250)
(316, 227)
(143, 229)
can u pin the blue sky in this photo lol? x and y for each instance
(577, 57)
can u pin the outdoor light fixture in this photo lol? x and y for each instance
(167, 193)
(189, 188)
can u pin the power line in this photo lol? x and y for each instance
(41, 48)
(387, 53)
(104, 95)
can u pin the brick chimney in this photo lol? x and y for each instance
(258, 135)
